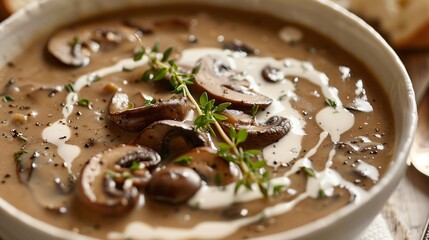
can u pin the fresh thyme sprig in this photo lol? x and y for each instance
(18, 155)
(211, 113)
(8, 98)
(253, 171)
(185, 160)
(331, 103)
(208, 116)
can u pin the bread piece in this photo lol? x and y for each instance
(405, 22)
(7, 7)
(412, 29)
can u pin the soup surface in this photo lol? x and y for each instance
(95, 140)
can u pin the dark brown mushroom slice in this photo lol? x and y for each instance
(110, 181)
(214, 170)
(173, 184)
(217, 79)
(170, 138)
(259, 135)
(131, 118)
(74, 47)
(238, 46)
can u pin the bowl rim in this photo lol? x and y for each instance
(396, 167)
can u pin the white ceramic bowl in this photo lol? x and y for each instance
(344, 28)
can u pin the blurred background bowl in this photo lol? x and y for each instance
(345, 29)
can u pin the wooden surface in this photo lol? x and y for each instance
(407, 210)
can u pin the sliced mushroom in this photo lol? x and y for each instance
(109, 183)
(67, 46)
(217, 78)
(212, 169)
(170, 138)
(173, 184)
(259, 135)
(123, 113)
(74, 47)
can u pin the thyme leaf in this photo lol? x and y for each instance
(83, 102)
(18, 155)
(309, 171)
(135, 165)
(149, 102)
(8, 98)
(218, 179)
(331, 103)
(74, 42)
(160, 74)
(254, 110)
(185, 160)
(155, 47)
(69, 87)
(19, 135)
(277, 189)
(321, 194)
(139, 54)
(166, 54)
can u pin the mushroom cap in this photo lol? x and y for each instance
(212, 169)
(170, 138)
(214, 77)
(138, 118)
(66, 46)
(103, 185)
(259, 135)
(173, 184)
(74, 46)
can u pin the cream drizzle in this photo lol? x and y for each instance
(324, 180)
(281, 93)
(361, 101)
(58, 134)
(367, 170)
(203, 230)
(213, 197)
(209, 197)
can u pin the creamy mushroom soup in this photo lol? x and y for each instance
(247, 126)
